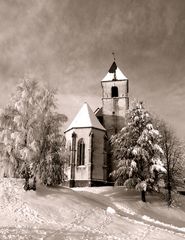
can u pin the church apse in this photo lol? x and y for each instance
(87, 165)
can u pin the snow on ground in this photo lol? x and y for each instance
(155, 210)
(88, 213)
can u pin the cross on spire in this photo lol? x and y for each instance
(113, 54)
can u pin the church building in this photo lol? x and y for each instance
(87, 137)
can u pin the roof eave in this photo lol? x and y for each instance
(104, 130)
(115, 80)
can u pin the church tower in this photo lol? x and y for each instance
(115, 103)
(115, 100)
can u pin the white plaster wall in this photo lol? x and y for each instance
(122, 88)
(98, 155)
(84, 172)
(81, 172)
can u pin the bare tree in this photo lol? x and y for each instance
(173, 159)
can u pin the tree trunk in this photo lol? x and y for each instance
(169, 198)
(143, 198)
(26, 184)
(34, 184)
(26, 177)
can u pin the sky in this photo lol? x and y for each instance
(68, 44)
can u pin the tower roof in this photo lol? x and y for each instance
(85, 118)
(114, 72)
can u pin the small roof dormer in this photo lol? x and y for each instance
(114, 73)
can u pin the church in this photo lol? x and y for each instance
(88, 135)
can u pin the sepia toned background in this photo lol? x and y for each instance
(67, 44)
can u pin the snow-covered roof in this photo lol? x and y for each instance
(113, 72)
(85, 118)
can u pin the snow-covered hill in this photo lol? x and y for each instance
(87, 213)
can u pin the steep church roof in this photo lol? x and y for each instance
(85, 118)
(113, 72)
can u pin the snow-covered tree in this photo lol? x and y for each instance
(30, 133)
(137, 153)
(51, 143)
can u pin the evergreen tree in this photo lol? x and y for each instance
(31, 137)
(137, 153)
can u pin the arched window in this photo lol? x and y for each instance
(81, 152)
(114, 91)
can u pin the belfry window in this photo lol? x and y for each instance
(114, 91)
(81, 152)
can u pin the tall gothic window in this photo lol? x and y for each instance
(81, 152)
(114, 91)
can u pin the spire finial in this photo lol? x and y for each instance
(113, 54)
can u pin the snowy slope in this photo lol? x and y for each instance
(61, 213)
(155, 210)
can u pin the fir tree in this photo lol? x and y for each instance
(137, 153)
